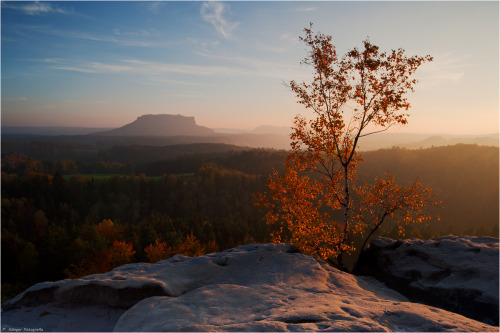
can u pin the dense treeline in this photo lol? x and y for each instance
(150, 160)
(464, 177)
(23, 165)
(140, 155)
(55, 225)
(254, 161)
(51, 225)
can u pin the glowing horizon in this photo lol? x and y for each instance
(103, 64)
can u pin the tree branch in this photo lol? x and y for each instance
(385, 129)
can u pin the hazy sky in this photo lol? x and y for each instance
(102, 64)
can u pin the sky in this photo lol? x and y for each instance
(103, 64)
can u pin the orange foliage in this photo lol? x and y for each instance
(190, 247)
(350, 97)
(157, 251)
(386, 199)
(106, 252)
(108, 229)
(120, 253)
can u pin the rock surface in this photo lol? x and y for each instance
(459, 274)
(249, 288)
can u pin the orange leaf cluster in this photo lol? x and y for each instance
(120, 253)
(160, 250)
(105, 252)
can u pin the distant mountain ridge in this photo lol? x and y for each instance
(168, 129)
(160, 125)
(418, 141)
(267, 129)
(51, 130)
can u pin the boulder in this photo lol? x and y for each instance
(459, 274)
(249, 288)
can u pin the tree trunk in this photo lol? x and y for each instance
(366, 241)
(347, 204)
(340, 262)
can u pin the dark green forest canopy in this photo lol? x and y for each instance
(49, 220)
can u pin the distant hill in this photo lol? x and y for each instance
(50, 131)
(160, 125)
(417, 141)
(266, 129)
(437, 141)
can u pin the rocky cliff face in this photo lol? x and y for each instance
(459, 274)
(250, 288)
(161, 125)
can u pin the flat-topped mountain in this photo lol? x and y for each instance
(161, 125)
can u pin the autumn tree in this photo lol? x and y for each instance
(191, 247)
(157, 251)
(316, 203)
(101, 250)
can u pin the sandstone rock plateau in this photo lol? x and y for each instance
(249, 288)
(459, 274)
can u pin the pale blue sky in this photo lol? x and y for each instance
(103, 64)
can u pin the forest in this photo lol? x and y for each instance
(65, 218)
